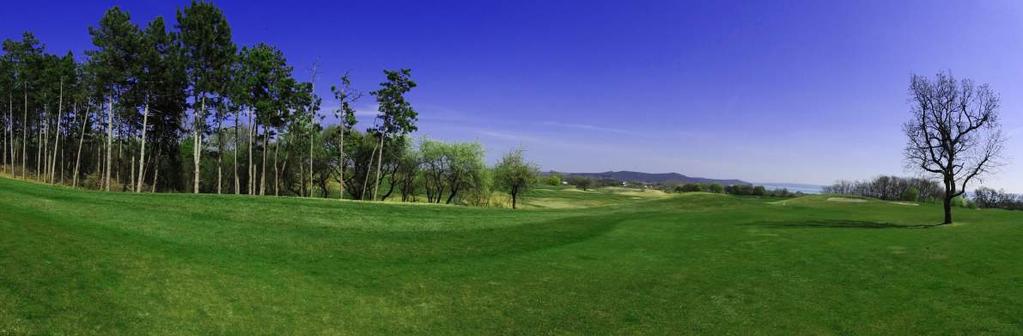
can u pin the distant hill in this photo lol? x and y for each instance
(655, 178)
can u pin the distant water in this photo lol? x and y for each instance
(793, 187)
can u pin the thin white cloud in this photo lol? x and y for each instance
(367, 111)
(589, 128)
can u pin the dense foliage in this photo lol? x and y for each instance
(187, 110)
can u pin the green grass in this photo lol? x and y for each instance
(75, 262)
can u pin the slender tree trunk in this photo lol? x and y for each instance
(237, 180)
(110, 144)
(63, 162)
(24, 138)
(197, 145)
(262, 171)
(9, 135)
(40, 145)
(312, 135)
(10, 131)
(3, 163)
(380, 162)
(118, 159)
(131, 167)
(276, 173)
(56, 140)
(341, 162)
(220, 155)
(142, 150)
(81, 139)
(99, 160)
(251, 130)
(369, 169)
(156, 166)
(3, 150)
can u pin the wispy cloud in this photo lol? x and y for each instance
(367, 111)
(588, 127)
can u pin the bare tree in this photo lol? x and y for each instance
(954, 132)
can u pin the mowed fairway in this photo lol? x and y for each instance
(76, 262)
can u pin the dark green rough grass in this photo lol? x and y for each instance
(74, 262)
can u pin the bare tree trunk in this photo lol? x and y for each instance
(63, 163)
(117, 160)
(110, 145)
(10, 117)
(262, 171)
(341, 170)
(81, 139)
(40, 145)
(237, 180)
(251, 130)
(8, 135)
(197, 145)
(156, 167)
(3, 150)
(220, 155)
(24, 138)
(56, 141)
(312, 131)
(276, 173)
(380, 161)
(142, 150)
(369, 168)
(131, 178)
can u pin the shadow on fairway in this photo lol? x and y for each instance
(841, 224)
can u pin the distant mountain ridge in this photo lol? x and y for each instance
(655, 178)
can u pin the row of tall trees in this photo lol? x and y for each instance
(182, 108)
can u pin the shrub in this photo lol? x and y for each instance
(911, 195)
(690, 187)
(959, 202)
(580, 182)
(716, 188)
(552, 179)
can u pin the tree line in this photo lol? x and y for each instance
(182, 108)
(890, 188)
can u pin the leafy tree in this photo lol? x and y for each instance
(345, 113)
(552, 179)
(451, 168)
(162, 94)
(113, 63)
(24, 57)
(7, 117)
(268, 90)
(209, 52)
(397, 117)
(581, 182)
(515, 175)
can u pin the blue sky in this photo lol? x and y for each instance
(780, 91)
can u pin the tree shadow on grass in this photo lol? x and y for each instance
(840, 224)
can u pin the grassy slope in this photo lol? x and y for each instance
(97, 263)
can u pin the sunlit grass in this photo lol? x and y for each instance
(75, 262)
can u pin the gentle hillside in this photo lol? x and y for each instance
(75, 262)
